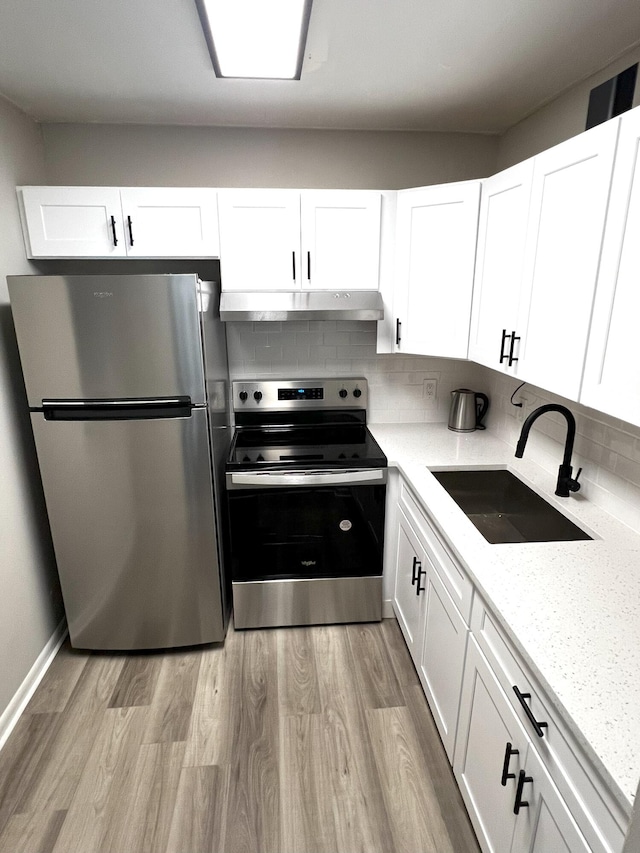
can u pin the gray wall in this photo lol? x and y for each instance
(139, 155)
(30, 605)
(561, 119)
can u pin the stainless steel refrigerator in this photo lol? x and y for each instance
(127, 383)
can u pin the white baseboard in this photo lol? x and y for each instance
(387, 609)
(18, 703)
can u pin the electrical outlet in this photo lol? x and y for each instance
(429, 391)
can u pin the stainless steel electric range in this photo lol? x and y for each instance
(306, 485)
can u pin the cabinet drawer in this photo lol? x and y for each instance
(593, 807)
(452, 575)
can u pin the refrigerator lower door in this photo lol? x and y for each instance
(131, 509)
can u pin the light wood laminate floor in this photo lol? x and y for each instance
(295, 740)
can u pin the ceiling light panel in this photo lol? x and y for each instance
(256, 39)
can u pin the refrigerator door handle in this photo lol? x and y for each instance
(131, 409)
(105, 404)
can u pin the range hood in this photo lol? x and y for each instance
(301, 305)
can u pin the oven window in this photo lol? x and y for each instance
(321, 532)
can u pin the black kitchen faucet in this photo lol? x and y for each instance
(566, 484)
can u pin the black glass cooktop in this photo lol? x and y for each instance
(303, 447)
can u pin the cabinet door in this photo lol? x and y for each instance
(612, 371)
(340, 239)
(408, 603)
(259, 239)
(73, 222)
(442, 657)
(170, 222)
(545, 824)
(487, 724)
(502, 231)
(435, 252)
(568, 207)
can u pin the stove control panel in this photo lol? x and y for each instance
(300, 394)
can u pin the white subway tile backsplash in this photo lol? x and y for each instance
(322, 353)
(309, 338)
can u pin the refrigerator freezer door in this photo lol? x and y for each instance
(132, 518)
(108, 337)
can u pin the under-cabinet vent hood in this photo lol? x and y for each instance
(301, 305)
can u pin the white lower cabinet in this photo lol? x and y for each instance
(489, 731)
(441, 658)
(513, 803)
(503, 709)
(545, 824)
(433, 627)
(408, 603)
(526, 780)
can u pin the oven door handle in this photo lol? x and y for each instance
(267, 480)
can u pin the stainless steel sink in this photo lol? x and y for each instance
(504, 509)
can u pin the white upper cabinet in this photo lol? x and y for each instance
(435, 257)
(73, 222)
(612, 372)
(106, 222)
(340, 234)
(259, 239)
(170, 222)
(287, 239)
(568, 208)
(502, 232)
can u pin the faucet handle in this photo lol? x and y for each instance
(573, 484)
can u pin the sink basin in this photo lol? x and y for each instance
(504, 509)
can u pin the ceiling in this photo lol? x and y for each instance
(447, 65)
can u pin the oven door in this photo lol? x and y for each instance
(304, 525)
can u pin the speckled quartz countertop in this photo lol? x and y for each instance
(571, 608)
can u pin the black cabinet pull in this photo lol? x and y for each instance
(416, 562)
(519, 803)
(130, 230)
(113, 229)
(512, 358)
(421, 572)
(503, 355)
(538, 726)
(398, 324)
(308, 266)
(509, 751)
(293, 258)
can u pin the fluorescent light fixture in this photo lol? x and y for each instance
(257, 39)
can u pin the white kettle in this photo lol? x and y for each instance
(468, 408)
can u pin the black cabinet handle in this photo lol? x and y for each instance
(538, 726)
(514, 338)
(293, 258)
(421, 572)
(113, 229)
(129, 223)
(509, 751)
(398, 324)
(416, 563)
(519, 803)
(503, 355)
(308, 266)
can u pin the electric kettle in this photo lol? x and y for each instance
(468, 408)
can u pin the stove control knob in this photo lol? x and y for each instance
(357, 393)
(257, 396)
(243, 395)
(343, 392)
